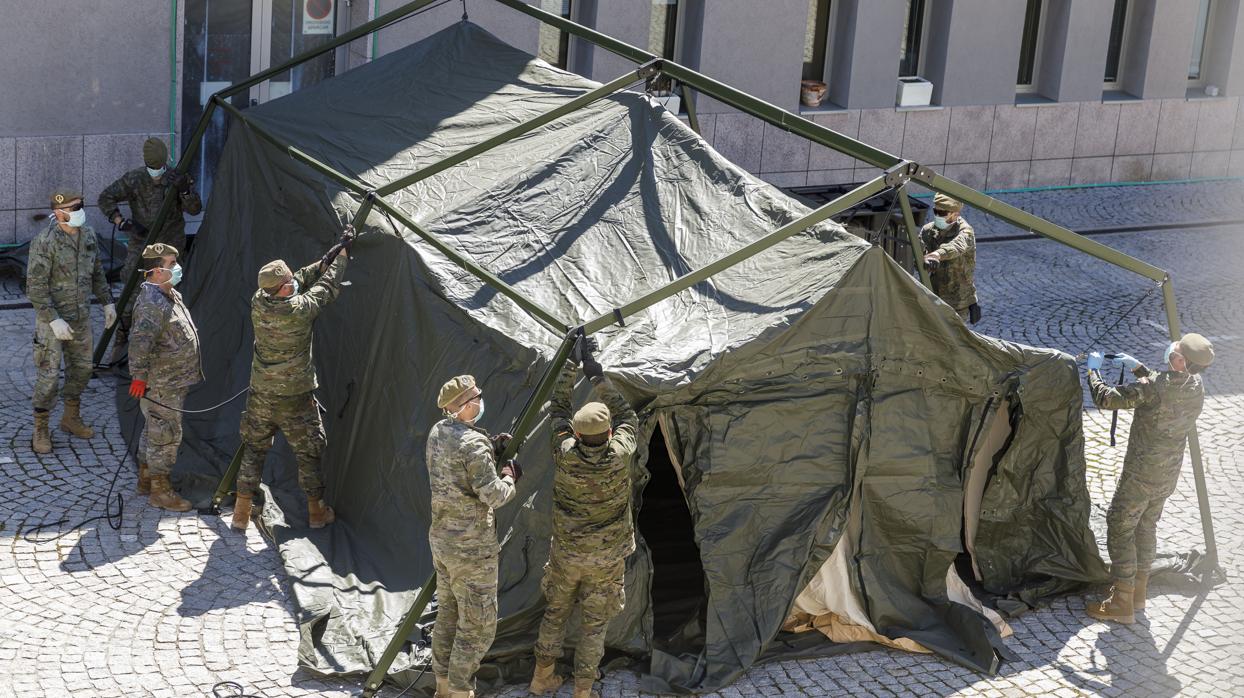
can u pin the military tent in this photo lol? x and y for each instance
(824, 443)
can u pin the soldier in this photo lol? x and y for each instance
(593, 532)
(462, 474)
(1167, 404)
(950, 255)
(62, 268)
(164, 363)
(283, 311)
(144, 190)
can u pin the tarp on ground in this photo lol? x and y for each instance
(813, 394)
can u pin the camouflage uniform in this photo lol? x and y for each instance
(164, 352)
(60, 270)
(145, 196)
(1167, 405)
(954, 277)
(462, 475)
(593, 529)
(283, 378)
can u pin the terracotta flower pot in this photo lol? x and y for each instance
(812, 92)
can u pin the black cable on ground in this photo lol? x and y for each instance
(236, 690)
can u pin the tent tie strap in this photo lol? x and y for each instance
(617, 315)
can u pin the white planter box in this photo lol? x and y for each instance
(671, 102)
(914, 92)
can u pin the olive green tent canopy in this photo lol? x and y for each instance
(812, 398)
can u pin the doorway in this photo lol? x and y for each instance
(679, 602)
(226, 41)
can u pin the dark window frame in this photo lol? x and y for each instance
(913, 39)
(1115, 41)
(1029, 46)
(818, 28)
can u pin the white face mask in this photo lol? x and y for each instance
(76, 218)
(1170, 349)
(940, 223)
(458, 414)
(156, 173)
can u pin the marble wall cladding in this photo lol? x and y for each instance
(1131, 168)
(1091, 170)
(783, 151)
(1050, 173)
(1008, 175)
(972, 174)
(739, 137)
(925, 136)
(1171, 166)
(45, 164)
(971, 129)
(107, 157)
(1014, 130)
(1176, 126)
(1138, 128)
(1056, 131)
(8, 227)
(1210, 163)
(8, 174)
(1215, 124)
(1096, 130)
(827, 159)
(1234, 169)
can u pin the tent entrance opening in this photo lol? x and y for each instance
(678, 599)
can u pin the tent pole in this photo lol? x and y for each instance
(523, 427)
(692, 120)
(889, 179)
(1194, 447)
(609, 88)
(913, 235)
(157, 226)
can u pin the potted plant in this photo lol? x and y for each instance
(812, 92)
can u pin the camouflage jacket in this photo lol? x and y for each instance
(145, 196)
(282, 364)
(164, 343)
(61, 270)
(462, 474)
(1167, 405)
(954, 279)
(592, 521)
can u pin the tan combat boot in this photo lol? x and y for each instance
(545, 679)
(1117, 606)
(241, 512)
(583, 688)
(41, 442)
(71, 420)
(144, 479)
(1139, 590)
(163, 496)
(319, 514)
(442, 687)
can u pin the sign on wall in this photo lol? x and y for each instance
(317, 17)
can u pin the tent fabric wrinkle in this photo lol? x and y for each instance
(817, 405)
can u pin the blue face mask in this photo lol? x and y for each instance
(156, 173)
(1170, 349)
(176, 272)
(940, 223)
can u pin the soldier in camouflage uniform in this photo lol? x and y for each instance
(62, 268)
(164, 363)
(143, 189)
(593, 530)
(950, 254)
(283, 379)
(1167, 405)
(462, 474)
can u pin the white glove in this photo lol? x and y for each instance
(60, 328)
(110, 314)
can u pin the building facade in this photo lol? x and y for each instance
(999, 94)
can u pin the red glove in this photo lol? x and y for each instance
(138, 388)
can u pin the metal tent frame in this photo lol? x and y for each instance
(896, 173)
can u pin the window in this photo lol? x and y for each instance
(913, 33)
(1114, 48)
(814, 40)
(554, 43)
(663, 40)
(1198, 41)
(1029, 44)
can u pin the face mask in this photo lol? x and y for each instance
(176, 272)
(295, 288)
(156, 173)
(1170, 349)
(458, 414)
(940, 223)
(76, 218)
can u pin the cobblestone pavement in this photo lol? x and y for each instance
(169, 605)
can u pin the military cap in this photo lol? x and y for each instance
(64, 195)
(155, 153)
(456, 393)
(941, 202)
(274, 274)
(592, 418)
(158, 250)
(1196, 349)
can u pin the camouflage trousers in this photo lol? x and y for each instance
(1132, 526)
(298, 418)
(48, 351)
(466, 616)
(133, 255)
(162, 436)
(600, 592)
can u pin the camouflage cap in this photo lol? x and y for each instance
(456, 392)
(64, 195)
(155, 153)
(159, 250)
(274, 274)
(1196, 349)
(592, 418)
(941, 202)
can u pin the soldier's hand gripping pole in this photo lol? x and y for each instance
(527, 421)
